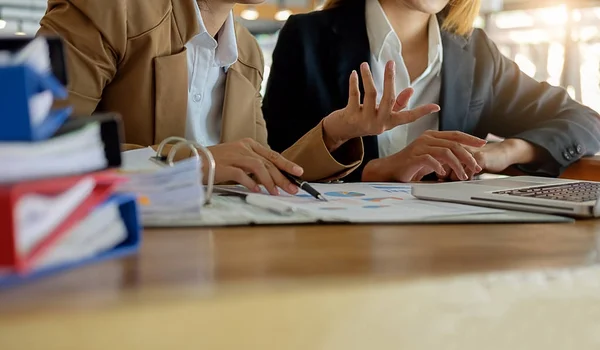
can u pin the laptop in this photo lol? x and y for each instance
(523, 193)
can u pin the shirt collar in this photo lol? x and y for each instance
(226, 53)
(380, 31)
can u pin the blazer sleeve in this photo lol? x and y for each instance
(284, 108)
(95, 35)
(541, 114)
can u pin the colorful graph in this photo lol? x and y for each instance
(379, 200)
(375, 206)
(393, 188)
(344, 194)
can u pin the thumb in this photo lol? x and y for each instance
(402, 99)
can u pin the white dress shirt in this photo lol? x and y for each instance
(208, 62)
(386, 46)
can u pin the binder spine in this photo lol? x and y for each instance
(17, 85)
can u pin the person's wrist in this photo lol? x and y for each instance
(517, 151)
(333, 132)
(377, 170)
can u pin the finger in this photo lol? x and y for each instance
(448, 157)
(277, 159)
(422, 173)
(448, 172)
(416, 164)
(402, 99)
(370, 101)
(256, 167)
(460, 137)
(239, 176)
(280, 180)
(463, 155)
(354, 93)
(405, 117)
(388, 98)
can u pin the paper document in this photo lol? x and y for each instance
(369, 203)
(36, 216)
(76, 152)
(102, 230)
(163, 189)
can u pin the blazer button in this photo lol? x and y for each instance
(197, 97)
(579, 149)
(567, 155)
(571, 151)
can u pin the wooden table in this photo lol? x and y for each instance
(307, 287)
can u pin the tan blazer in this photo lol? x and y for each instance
(129, 56)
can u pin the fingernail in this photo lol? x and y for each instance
(293, 188)
(256, 189)
(354, 73)
(390, 65)
(478, 168)
(276, 191)
(298, 170)
(464, 176)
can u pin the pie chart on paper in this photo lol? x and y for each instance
(343, 194)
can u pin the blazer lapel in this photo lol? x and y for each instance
(240, 101)
(352, 49)
(458, 72)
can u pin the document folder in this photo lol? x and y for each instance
(19, 85)
(10, 197)
(129, 215)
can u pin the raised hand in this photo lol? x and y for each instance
(371, 118)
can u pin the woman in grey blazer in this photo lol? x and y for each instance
(431, 47)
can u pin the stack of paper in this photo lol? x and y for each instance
(163, 190)
(77, 152)
(99, 232)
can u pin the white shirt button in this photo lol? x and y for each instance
(197, 98)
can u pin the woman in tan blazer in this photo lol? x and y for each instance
(181, 68)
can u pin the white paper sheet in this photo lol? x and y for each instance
(372, 203)
(100, 231)
(36, 215)
(163, 190)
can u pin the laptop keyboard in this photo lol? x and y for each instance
(578, 192)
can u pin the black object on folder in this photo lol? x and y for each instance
(58, 58)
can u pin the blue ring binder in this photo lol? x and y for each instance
(17, 85)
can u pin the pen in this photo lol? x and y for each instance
(305, 186)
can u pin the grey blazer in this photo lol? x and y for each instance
(482, 90)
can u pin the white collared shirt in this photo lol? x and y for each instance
(208, 62)
(385, 46)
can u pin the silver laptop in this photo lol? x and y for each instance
(524, 193)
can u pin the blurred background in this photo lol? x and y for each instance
(553, 41)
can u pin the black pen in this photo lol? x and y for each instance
(305, 186)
